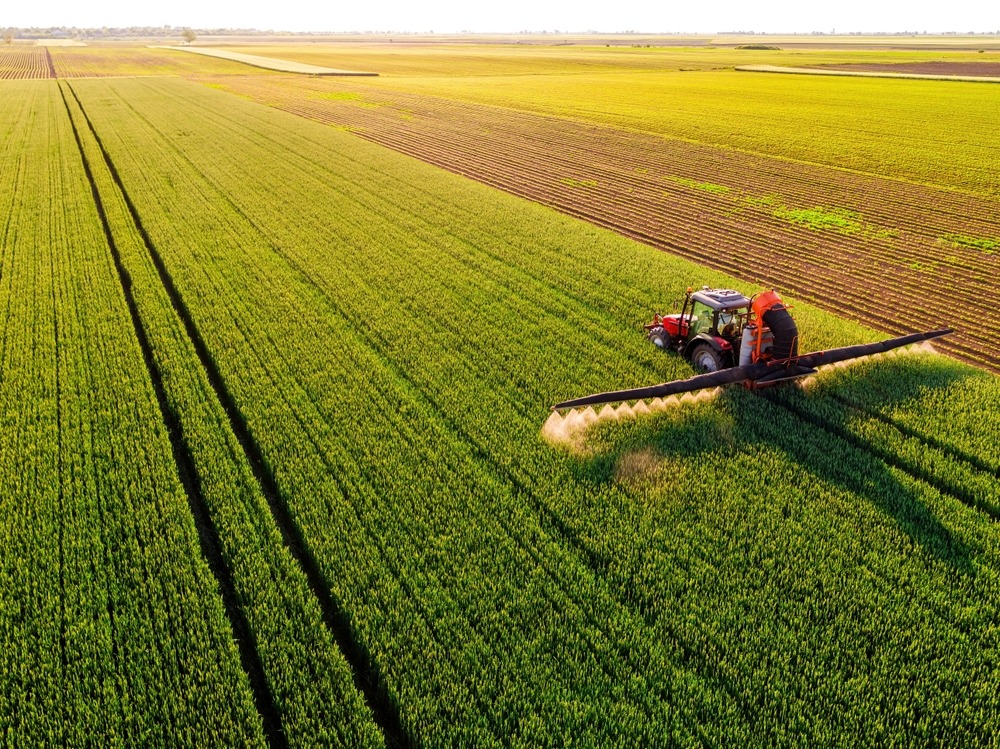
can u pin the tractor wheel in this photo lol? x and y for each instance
(705, 358)
(660, 338)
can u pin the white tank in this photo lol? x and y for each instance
(747, 343)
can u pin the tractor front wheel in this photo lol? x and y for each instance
(660, 338)
(705, 358)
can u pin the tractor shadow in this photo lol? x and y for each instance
(740, 422)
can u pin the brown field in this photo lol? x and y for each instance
(873, 258)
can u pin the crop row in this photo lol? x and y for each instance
(393, 337)
(110, 624)
(307, 676)
(924, 132)
(656, 191)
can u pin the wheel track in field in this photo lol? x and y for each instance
(365, 672)
(208, 535)
(930, 440)
(890, 459)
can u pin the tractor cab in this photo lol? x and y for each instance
(707, 330)
(715, 312)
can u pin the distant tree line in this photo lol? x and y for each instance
(9, 34)
(122, 32)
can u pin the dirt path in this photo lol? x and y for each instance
(270, 63)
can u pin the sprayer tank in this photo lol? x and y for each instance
(748, 341)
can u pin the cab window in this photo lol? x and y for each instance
(701, 318)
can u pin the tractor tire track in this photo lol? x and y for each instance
(919, 473)
(365, 671)
(208, 535)
(978, 464)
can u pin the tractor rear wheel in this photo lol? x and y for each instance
(705, 358)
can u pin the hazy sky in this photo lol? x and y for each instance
(441, 16)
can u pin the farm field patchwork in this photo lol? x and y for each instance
(419, 59)
(307, 374)
(826, 234)
(269, 63)
(929, 132)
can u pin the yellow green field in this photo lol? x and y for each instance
(277, 354)
(930, 132)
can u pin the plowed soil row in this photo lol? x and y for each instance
(892, 264)
(17, 62)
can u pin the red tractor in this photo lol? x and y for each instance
(734, 340)
(721, 328)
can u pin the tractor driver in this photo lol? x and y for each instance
(727, 323)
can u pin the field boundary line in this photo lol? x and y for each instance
(208, 535)
(365, 672)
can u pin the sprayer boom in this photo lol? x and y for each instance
(756, 375)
